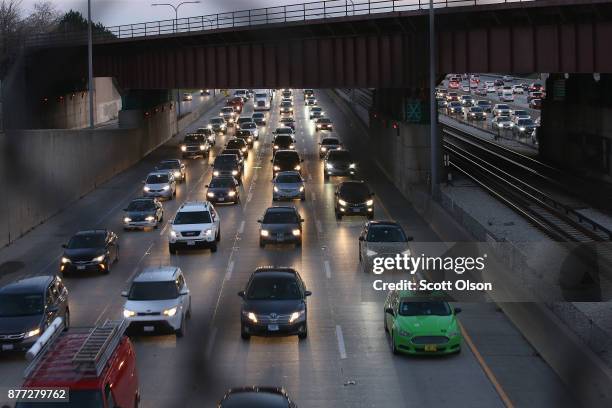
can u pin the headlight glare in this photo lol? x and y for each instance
(170, 312)
(342, 202)
(264, 233)
(128, 313)
(32, 333)
(99, 258)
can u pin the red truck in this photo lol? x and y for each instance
(96, 365)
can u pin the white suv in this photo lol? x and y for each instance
(196, 224)
(158, 299)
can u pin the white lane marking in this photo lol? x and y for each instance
(319, 226)
(164, 229)
(241, 228)
(341, 346)
(250, 196)
(101, 314)
(230, 269)
(211, 343)
(309, 177)
(313, 196)
(147, 252)
(327, 269)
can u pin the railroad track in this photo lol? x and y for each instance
(502, 172)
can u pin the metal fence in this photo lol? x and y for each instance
(256, 17)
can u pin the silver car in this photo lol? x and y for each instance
(251, 127)
(382, 239)
(288, 185)
(159, 184)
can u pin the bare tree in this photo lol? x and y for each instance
(10, 29)
(44, 18)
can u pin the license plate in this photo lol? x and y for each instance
(273, 327)
(221, 199)
(148, 328)
(190, 242)
(7, 347)
(81, 267)
(280, 237)
(431, 347)
(356, 210)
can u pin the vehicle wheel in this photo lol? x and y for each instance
(274, 198)
(385, 323)
(180, 332)
(213, 247)
(218, 235)
(67, 320)
(325, 176)
(107, 269)
(161, 219)
(338, 216)
(172, 249)
(360, 257)
(188, 314)
(262, 244)
(392, 343)
(244, 334)
(304, 334)
(303, 197)
(370, 216)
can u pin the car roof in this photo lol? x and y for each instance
(190, 206)
(92, 232)
(348, 182)
(384, 223)
(255, 397)
(286, 152)
(289, 173)
(281, 208)
(27, 285)
(157, 274)
(274, 269)
(158, 173)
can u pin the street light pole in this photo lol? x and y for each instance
(176, 9)
(433, 135)
(90, 66)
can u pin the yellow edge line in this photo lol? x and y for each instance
(500, 391)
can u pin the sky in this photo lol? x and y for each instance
(118, 12)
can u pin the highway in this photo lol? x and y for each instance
(346, 360)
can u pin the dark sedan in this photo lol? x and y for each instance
(256, 397)
(327, 144)
(339, 163)
(354, 198)
(92, 250)
(240, 144)
(324, 124)
(286, 160)
(223, 190)
(274, 303)
(143, 212)
(228, 165)
(288, 122)
(27, 307)
(280, 225)
(283, 142)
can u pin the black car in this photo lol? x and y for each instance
(308, 93)
(27, 307)
(280, 225)
(316, 112)
(240, 144)
(288, 122)
(91, 250)
(238, 153)
(243, 120)
(524, 128)
(194, 145)
(256, 397)
(475, 113)
(284, 131)
(274, 303)
(285, 160)
(339, 163)
(143, 212)
(259, 118)
(354, 198)
(223, 190)
(286, 108)
(327, 144)
(453, 107)
(324, 124)
(287, 94)
(227, 165)
(283, 142)
(499, 82)
(245, 135)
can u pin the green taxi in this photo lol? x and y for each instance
(419, 324)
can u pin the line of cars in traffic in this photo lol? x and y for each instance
(274, 302)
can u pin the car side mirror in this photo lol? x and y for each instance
(301, 220)
(271, 161)
(390, 311)
(64, 245)
(259, 221)
(241, 294)
(410, 239)
(307, 293)
(124, 293)
(184, 292)
(457, 310)
(206, 186)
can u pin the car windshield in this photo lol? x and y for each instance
(216, 121)
(76, 399)
(257, 116)
(141, 205)
(330, 142)
(83, 241)
(419, 308)
(455, 104)
(249, 125)
(525, 122)
(476, 109)
(354, 192)
(339, 155)
(192, 217)
(204, 131)
(261, 95)
(274, 288)
(244, 120)
(284, 131)
(227, 110)
(466, 97)
(503, 119)
(225, 160)
(503, 107)
(483, 103)
(194, 138)
(386, 233)
(288, 178)
(235, 152)
(283, 139)
(285, 104)
(221, 182)
(286, 157)
(168, 165)
(287, 120)
(324, 120)
(316, 109)
(521, 113)
(280, 217)
(12, 305)
(153, 291)
(157, 178)
(235, 144)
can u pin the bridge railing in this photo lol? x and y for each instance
(255, 17)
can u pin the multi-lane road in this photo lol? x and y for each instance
(346, 360)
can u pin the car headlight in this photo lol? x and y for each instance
(210, 194)
(127, 219)
(295, 316)
(216, 173)
(251, 316)
(166, 188)
(296, 232)
(276, 146)
(329, 166)
(32, 333)
(319, 126)
(202, 147)
(234, 172)
(170, 312)
(209, 126)
(323, 149)
(276, 168)
(291, 146)
(146, 188)
(231, 120)
(298, 167)
(183, 148)
(510, 124)
(220, 113)
(249, 139)
(150, 218)
(522, 129)
(403, 333)
(99, 258)
(369, 202)
(370, 252)
(65, 260)
(275, 189)
(208, 232)
(342, 202)
(264, 233)
(231, 193)
(173, 233)
(352, 166)
(128, 313)
(301, 188)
